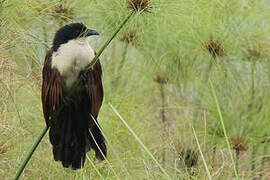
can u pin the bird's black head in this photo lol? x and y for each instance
(69, 32)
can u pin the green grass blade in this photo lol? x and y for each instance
(73, 89)
(108, 42)
(140, 142)
(100, 175)
(29, 155)
(92, 63)
(112, 148)
(224, 129)
(199, 147)
(104, 155)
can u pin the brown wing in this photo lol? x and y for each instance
(95, 88)
(51, 89)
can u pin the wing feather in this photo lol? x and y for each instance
(51, 89)
(95, 88)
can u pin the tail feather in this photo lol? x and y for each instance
(71, 138)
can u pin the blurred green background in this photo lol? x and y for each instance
(157, 74)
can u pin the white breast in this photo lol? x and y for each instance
(71, 58)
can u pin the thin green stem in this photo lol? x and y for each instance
(163, 103)
(237, 154)
(115, 82)
(253, 160)
(199, 147)
(105, 158)
(95, 168)
(140, 142)
(91, 64)
(108, 42)
(252, 88)
(265, 147)
(224, 129)
(123, 58)
(29, 155)
(74, 88)
(165, 134)
(214, 154)
(112, 148)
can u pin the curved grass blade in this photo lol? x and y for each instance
(140, 142)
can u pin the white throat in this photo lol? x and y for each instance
(71, 58)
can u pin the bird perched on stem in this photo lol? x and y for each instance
(72, 115)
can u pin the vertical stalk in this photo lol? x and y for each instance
(237, 153)
(202, 156)
(252, 88)
(123, 57)
(73, 89)
(209, 68)
(45, 34)
(252, 163)
(163, 122)
(163, 118)
(113, 49)
(224, 128)
(163, 103)
(252, 96)
(263, 160)
(214, 154)
(223, 69)
(115, 82)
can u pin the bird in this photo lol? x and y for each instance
(72, 117)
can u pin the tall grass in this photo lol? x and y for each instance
(172, 39)
(224, 130)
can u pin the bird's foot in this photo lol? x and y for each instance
(83, 76)
(67, 101)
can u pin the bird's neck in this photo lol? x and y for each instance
(71, 58)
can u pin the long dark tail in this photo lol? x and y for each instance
(74, 134)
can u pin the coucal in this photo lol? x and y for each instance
(71, 116)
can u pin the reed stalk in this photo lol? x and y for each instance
(224, 129)
(73, 89)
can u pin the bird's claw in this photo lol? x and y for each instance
(67, 101)
(83, 76)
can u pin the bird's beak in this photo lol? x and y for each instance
(91, 32)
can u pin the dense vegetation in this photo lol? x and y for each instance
(186, 88)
